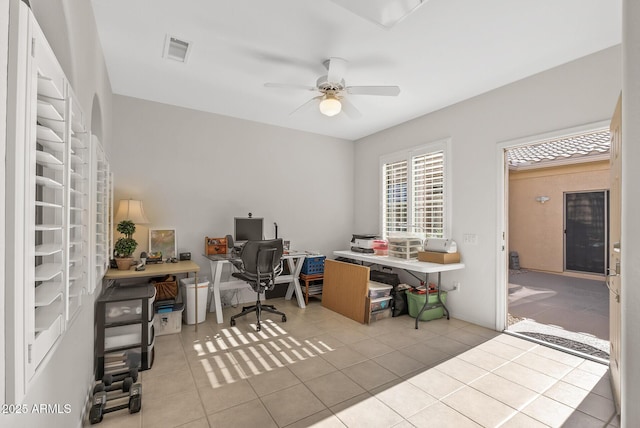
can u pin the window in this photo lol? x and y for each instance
(415, 191)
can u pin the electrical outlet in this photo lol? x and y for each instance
(456, 286)
(470, 238)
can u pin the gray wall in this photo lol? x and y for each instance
(576, 93)
(196, 171)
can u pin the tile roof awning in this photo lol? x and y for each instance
(585, 147)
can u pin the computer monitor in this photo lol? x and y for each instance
(247, 229)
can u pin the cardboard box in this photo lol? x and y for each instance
(434, 257)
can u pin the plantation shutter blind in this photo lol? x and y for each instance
(428, 194)
(395, 208)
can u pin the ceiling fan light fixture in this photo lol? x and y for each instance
(330, 105)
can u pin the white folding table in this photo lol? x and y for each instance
(412, 265)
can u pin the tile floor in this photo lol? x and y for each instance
(321, 369)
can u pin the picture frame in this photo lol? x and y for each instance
(163, 240)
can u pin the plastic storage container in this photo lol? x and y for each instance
(376, 316)
(380, 247)
(189, 299)
(169, 321)
(313, 265)
(405, 248)
(377, 290)
(380, 303)
(416, 302)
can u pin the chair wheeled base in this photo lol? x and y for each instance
(257, 308)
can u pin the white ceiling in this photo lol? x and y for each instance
(445, 52)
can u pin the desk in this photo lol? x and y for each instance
(158, 269)
(218, 261)
(408, 266)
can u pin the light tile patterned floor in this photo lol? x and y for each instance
(323, 370)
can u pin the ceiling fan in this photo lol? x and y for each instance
(333, 90)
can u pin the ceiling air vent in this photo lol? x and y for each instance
(176, 49)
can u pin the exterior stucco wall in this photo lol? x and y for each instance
(536, 230)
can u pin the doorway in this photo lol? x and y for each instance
(553, 198)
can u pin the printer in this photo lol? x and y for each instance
(369, 244)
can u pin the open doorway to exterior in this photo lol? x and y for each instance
(557, 241)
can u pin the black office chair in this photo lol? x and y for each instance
(261, 264)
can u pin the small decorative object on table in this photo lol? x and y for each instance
(215, 245)
(154, 258)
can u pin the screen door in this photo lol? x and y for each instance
(586, 230)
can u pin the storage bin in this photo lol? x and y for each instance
(313, 265)
(376, 316)
(121, 336)
(123, 311)
(123, 361)
(166, 287)
(169, 322)
(416, 302)
(380, 303)
(404, 248)
(377, 290)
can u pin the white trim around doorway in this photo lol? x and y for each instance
(502, 206)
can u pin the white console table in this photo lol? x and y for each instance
(412, 265)
(218, 261)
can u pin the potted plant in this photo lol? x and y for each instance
(125, 246)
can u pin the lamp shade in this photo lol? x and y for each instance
(130, 209)
(330, 105)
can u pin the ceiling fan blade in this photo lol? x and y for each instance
(288, 86)
(336, 69)
(390, 91)
(306, 106)
(349, 109)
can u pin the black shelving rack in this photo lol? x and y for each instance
(124, 329)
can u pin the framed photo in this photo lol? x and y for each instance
(164, 241)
